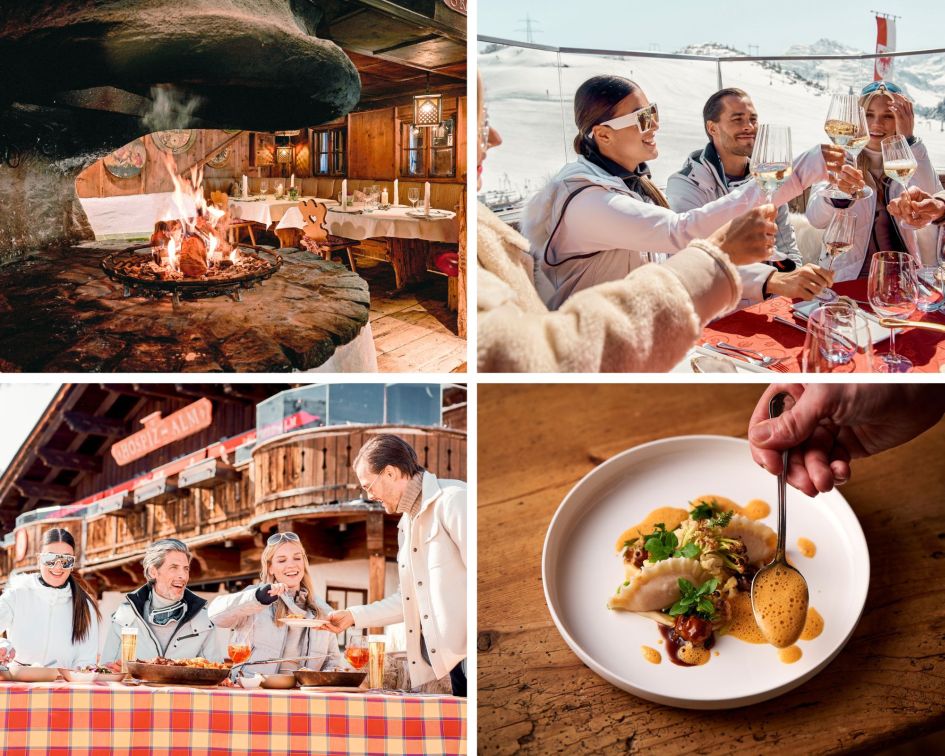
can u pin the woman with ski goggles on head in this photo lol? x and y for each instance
(285, 588)
(49, 616)
(880, 226)
(592, 223)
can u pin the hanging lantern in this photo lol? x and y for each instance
(283, 154)
(427, 108)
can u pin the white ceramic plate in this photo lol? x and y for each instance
(580, 570)
(304, 622)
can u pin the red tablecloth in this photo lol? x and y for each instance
(60, 719)
(754, 327)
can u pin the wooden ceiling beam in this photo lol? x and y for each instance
(45, 491)
(95, 425)
(70, 460)
(401, 62)
(456, 32)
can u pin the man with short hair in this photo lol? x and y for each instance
(431, 561)
(731, 123)
(171, 620)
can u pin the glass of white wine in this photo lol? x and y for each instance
(898, 161)
(838, 240)
(770, 163)
(846, 127)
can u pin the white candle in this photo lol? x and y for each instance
(396, 192)
(292, 181)
(245, 186)
(385, 200)
(279, 190)
(426, 197)
(344, 192)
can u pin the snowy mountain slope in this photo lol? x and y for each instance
(535, 116)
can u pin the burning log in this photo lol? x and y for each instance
(193, 257)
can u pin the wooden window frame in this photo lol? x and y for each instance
(428, 149)
(338, 150)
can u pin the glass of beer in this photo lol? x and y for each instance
(376, 661)
(129, 646)
(356, 651)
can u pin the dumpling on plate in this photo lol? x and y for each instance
(657, 585)
(760, 540)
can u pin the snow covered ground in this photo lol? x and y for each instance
(530, 103)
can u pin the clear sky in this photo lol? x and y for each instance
(672, 24)
(21, 405)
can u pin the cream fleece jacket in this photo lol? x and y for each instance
(641, 323)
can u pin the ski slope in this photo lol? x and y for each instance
(530, 103)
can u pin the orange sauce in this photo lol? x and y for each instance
(669, 516)
(743, 625)
(694, 655)
(780, 604)
(807, 547)
(651, 655)
(756, 509)
(814, 625)
(790, 654)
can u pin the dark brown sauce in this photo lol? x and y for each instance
(674, 642)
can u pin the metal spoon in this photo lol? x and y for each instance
(779, 595)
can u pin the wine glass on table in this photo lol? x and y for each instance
(838, 240)
(413, 194)
(892, 294)
(836, 333)
(846, 127)
(356, 651)
(263, 188)
(770, 163)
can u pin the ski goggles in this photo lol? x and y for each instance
(644, 119)
(164, 615)
(48, 559)
(880, 86)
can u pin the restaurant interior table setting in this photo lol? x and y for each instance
(190, 207)
(200, 586)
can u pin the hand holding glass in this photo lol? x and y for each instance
(770, 163)
(838, 240)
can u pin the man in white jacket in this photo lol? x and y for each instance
(171, 620)
(731, 123)
(431, 561)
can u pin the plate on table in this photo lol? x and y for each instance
(712, 361)
(431, 215)
(877, 332)
(303, 622)
(580, 569)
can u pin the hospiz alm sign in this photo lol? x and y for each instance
(160, 431)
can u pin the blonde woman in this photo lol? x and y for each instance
(888, 112)
(285, 588)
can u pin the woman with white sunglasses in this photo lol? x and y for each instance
(258, 611)
(591, 223)
(49, 617)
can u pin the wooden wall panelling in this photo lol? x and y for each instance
(371, 144)
(459, 137)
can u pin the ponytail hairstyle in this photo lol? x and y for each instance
(81, 591)
(595, 102)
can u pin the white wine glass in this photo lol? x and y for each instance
(846, 127)
(770, 163)
(892, 294)
(838, 240)
(898, 161)
(413, 194)
(263, 188)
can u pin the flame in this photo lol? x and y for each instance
(171, 254)
(211, 247)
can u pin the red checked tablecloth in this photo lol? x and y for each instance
(75, 720)
(755, 328)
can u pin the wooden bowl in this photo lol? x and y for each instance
(335, 679)
(279, 681)
(173, 675)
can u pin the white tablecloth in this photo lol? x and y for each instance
(268, 210)
(393, 222)
(132, 215)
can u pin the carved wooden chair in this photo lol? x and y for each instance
(315, 237)
(234, 226)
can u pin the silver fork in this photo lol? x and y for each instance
(760, 359)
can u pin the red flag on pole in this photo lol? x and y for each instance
(885, 42)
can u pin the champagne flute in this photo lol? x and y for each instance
(892, 294)
(846, 127)
(838, 240)
(413, 194)
(898, 161)
(770, 163)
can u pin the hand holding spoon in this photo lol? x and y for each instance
(779, 595)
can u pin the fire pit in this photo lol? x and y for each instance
(148, 275)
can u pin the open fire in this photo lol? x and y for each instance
(190, 254)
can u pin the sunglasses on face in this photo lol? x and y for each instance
(48, 559)
(880, 86)
(484, 131)
(644, 119)
(281, 538)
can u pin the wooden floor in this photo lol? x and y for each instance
(414, 330)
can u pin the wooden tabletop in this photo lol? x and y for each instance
(535, 696)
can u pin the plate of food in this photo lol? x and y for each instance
(196, 671)
(300, 620)
(647, 567)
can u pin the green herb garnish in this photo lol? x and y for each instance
(694, 600)
(690, 551)
(628, 544)
(704, 510)
(721, 520)
(662, 544)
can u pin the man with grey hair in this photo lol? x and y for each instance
(171, 620)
